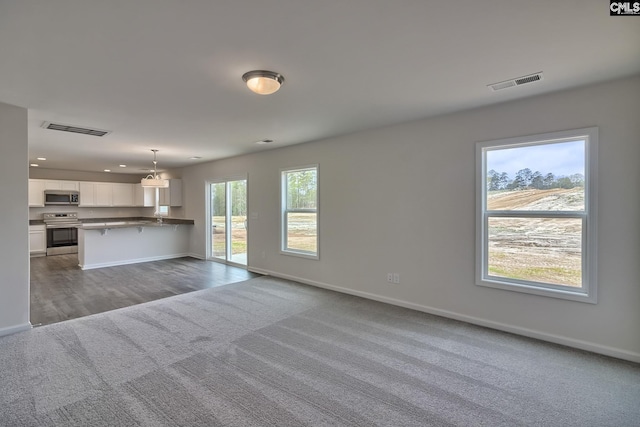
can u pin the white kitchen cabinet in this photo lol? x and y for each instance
(87, 194)
(38, 186)
(37, 240)
(36, 192)
(103, 193)
(144, 197)
(70, 185)
(51, 184)
(172, 196)
(99, 194)
(122, 194)
(106, 194)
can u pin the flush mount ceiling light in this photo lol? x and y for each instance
(153, 181)
(263, 82)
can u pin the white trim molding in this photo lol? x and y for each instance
(15, 329)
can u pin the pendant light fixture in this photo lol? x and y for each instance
(152, 181)
(263, 82)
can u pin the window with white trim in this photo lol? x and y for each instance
(536, 214)
(299, 196)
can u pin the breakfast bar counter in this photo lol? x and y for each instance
(105, 244)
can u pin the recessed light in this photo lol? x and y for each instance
(35, 165)
(107, 170)
(264, 141)
(123, 166)
(42, 158)
(195, 157)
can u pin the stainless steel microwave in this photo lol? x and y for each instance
(61, 197)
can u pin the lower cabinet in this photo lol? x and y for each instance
(37, 240)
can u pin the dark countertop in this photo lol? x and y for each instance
(153, 219)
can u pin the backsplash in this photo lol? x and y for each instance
(93, 212)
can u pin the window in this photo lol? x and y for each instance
(536, 214)
(163, 211)
(300, 211)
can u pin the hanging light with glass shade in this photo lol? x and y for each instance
(153, 181)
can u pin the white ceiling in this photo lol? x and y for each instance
(167, 74)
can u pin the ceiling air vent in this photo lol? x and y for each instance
(75, 129)
(518, 81)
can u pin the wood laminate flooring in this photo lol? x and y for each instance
(60, 290)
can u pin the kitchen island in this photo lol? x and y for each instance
(106, 244)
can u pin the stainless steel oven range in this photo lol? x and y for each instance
(62, 232)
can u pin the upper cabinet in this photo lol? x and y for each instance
(36, 192)
(122, 194)
(87, 194)
(143, 197)
(108, 194)
(50, 184)
(38, 186)
(172, 196)
(95, 194)
(105, 194)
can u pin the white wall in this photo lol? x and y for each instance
(402, 198)
(14, 249)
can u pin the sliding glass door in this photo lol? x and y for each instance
(229, 221)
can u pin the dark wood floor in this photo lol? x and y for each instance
(60, 290)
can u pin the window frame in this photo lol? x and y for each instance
(588, 291)
(284, 249)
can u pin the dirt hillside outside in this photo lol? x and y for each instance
(545, 250)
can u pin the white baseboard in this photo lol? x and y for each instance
(531, 333)
(15, 329)
(197, 256)
(132, 261)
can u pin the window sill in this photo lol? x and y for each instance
(577, 295)
(300, 254)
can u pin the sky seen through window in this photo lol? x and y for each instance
(560, 159)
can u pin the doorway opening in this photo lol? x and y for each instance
(228, 209)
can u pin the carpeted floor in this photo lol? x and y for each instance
(273, 352)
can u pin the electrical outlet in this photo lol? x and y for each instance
(396, 277)
(390, 277)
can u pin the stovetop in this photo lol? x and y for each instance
(60, 219)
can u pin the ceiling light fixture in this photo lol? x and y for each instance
(107, 170)
(153, 181)
(35, 165)
(123, 166)
(42, 158)
(263, 82)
